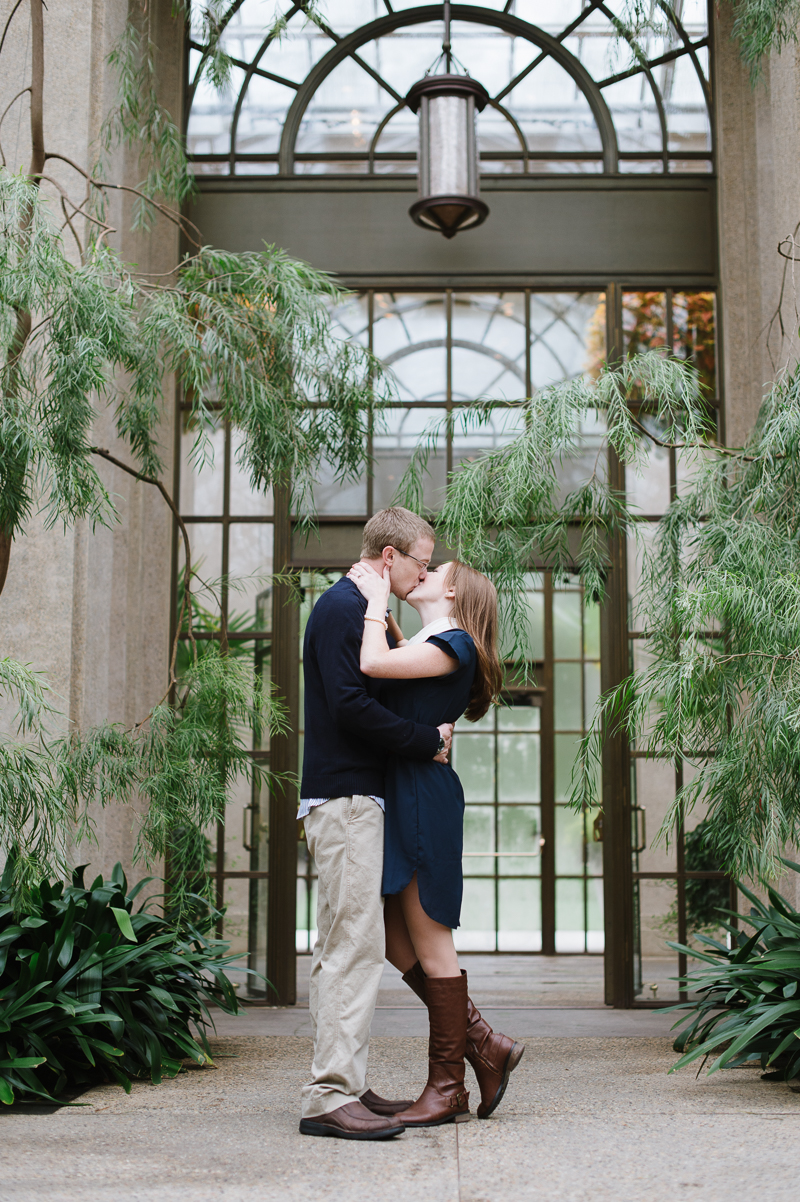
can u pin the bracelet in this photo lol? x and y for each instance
(385, 625)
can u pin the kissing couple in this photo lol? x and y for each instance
(384, 817)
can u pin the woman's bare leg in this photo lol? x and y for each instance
(433, 943)
(399, 948)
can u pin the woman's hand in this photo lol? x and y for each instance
(376, 588)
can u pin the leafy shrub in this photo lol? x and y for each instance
(749, 1003)
(90, 990)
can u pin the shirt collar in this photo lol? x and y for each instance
(437, 626)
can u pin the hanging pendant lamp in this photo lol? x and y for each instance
(448, 146)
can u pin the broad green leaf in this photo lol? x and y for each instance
(163, 997)
(124, 923)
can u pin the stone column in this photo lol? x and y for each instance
(758, 147)
(92, 609)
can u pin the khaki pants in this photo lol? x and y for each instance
(345, 837)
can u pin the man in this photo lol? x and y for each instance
(348, 735)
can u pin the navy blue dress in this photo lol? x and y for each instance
(424, 831)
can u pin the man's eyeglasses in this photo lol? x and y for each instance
(421, 562)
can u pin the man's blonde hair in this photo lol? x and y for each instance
(395, 527)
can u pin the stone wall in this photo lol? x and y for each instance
(91, 609)
(758, 144)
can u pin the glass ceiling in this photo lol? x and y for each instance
(570, 92)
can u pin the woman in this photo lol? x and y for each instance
(448, 669)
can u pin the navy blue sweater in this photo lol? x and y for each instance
(348, 733)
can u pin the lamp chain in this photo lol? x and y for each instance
(446, 42)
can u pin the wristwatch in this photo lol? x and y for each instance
(441, 746)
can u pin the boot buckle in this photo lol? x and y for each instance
(458, 1099)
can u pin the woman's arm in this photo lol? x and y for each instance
(404, 663)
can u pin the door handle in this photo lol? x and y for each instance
(247, 846)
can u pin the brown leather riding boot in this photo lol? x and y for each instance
(444, 1099)
(493, 1057)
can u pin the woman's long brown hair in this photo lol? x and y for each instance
(475, 610)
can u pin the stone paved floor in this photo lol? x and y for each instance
(588, 1116)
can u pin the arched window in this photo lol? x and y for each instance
(572, 89)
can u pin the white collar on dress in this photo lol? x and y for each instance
(434, 627)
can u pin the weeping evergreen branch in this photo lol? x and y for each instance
(249, 339)
(506, 510)
(762, 27)
(721, 608)
(141, 122)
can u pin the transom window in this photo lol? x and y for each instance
(571, 90)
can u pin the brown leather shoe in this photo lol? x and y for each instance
(351, 1121)
(381, 1105)
(493, 1057)
(444, 1098)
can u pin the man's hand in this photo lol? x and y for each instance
(446, 731)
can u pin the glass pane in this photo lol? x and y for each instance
(519, 773)
(535, 628)
(471, 441)
(655, 792)
(567, 625)
(594, 848)
(477, 930)
(570, 932)
(658, 913)
(519, 717)
(245, 501)
(488, 353)
(591, 684)
(478, 837)
(473, 760)
(567, 334)
(519, 830)
(483, 724)
(250, 573)
(647, 486)
(566, 749)
(520, 916)
(202, 471)
(394, 442)
(410, 337)
(332, 495)
(644, 321)
(595, 933)
(351, 319)
(591, 631)
(569, 841)
(694, 335)
(205, 541)
(568, 696)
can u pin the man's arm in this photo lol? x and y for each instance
(337, 644)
